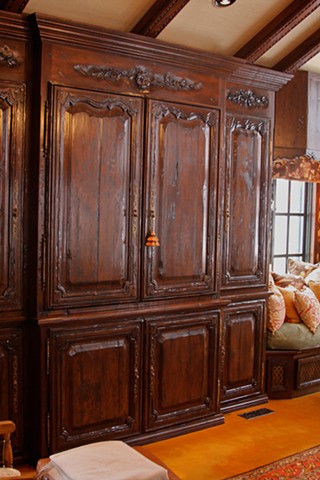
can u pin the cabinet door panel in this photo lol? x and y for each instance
(181, 372)
(95, 381)
(12, 118)
(95, 197)
(243, 353)
(11, 378)
(246, 204)
(181, 199)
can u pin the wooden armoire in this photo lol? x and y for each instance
(112, 143)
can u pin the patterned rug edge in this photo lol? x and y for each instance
(303, 465)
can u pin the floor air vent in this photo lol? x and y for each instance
(256, 413)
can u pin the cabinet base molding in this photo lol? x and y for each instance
(240, 403)
(177, 430)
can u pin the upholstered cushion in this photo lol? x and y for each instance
(315, 287)
(276, 309)
(9, 472)
(314, 276)
(111, 459)
(297, 267)
(293, 337)
(308, 308)
(288, 279)
(288, 294)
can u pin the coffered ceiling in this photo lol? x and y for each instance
(279, 34)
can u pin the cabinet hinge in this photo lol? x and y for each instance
(48, 356)
(48, 430)
(44, 264)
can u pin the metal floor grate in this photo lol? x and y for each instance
(256, 413)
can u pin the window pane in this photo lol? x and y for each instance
(297, 197)
(281, 199)
(296, 235)
(280, 235)
(279, 265)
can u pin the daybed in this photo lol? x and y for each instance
(293, 339)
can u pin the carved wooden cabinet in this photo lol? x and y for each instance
(108, 139)
(243, 355)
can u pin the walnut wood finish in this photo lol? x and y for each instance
(95, 383)
(11, 377)
(182, 355)
(297, 117)
(243, 354)
(182, 149)
(245, 217)
(292, 373)
(128, 134)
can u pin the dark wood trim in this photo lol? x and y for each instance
(280, 26)
(16, 6)
(300, 55)
(158, 17)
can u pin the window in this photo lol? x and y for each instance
(292, 222)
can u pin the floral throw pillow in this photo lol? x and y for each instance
(287, 279)
(297, 267)
(276, 309)
(308, 308)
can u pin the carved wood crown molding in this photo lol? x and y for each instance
(305, 168)
(140, 77)
(248, 99)
(8, 57)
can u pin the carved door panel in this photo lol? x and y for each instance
(11, 378)
(181, 203)
(246, 203)
(95, 182)
(182, 363)
(12, 118)
(95, 384)
(243, 354)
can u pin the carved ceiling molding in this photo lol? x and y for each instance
(140, 77)
(247, 98)
(304, 168)
(280, 26)
(158, 17)
(16, 6)
(300, 55)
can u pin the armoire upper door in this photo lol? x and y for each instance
(181, 199)
(93, 218)
(246, 203)
(12, 120)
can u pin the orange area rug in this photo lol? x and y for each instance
(241, 445)
(301, 466)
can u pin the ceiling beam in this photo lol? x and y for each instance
(158, 17)
(16, 6)
(300, 55)
(281, 25)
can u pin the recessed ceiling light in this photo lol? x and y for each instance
(222, 3)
